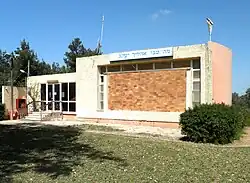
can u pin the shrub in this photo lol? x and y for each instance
(2, 112)
(213, 123)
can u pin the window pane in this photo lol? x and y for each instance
(72, 91)
(196, 96)
(65, 106)
(101, 105)
(72, 107)
(57, 92)
(101, 88)
(57, 106)
(196, 74)
(114, 68)
(50, 97)
(162, 65)
(102, 79)
(50, 106)
(101, 96)
(196, 86)
(129, 67)
(65, 91)
(181, 64)
(43, 106)
(102, 69)
(43, 92)
(148, 66)
(196, 64)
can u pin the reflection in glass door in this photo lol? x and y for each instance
(50, 97)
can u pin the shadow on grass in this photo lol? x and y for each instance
(44, 149)
(186, 139)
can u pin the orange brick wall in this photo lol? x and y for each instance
(163, 91)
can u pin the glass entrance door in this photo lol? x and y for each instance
(54, 91)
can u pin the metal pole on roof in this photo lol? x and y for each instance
(210, 27)
(99, 44)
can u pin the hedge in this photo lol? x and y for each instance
(213, 123)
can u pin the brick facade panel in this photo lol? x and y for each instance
(163, 91)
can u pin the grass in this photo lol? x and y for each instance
(86, 127)
(70, 154)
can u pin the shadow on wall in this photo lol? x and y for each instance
(46, 149)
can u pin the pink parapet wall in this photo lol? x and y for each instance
(222, 73)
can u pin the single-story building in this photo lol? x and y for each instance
(153, 85)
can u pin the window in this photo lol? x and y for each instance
(100, 89)
(50, 90)
(57, 92)
(196, 86)
(163, 65)
(72, 107)
(43, 92)
(196, 93)
(196, 64)
(64, 91)
(181, 64)
(72, 91)
(129, 67)
(196, 74)
(65, 106)
(102, 69)
(145, 66)
(114, 68)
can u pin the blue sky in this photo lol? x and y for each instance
(50, 25)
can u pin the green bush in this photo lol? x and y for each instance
(213, 123)
(2, 112)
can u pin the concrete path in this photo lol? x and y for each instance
(132, 129)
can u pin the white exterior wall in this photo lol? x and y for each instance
(34, 82)
(87, 82)
(206, 70)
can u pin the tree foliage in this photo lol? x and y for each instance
(20, 57)
(76, 49)
(242, 100)
(24, 54)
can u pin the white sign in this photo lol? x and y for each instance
(140, 54)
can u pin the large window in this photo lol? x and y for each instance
(100, 87)
(196, 90)
(59, 97)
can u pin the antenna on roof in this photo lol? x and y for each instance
(99, 43)
(210, 27)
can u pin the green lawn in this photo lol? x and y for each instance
(69, 154)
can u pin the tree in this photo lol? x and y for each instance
(25, 54)
(22, 55)
(243, 100)
(57, 69)
(75, 50)
(4, 70)
(235, 98)
(34, 92)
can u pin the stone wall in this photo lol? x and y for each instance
(162, 91)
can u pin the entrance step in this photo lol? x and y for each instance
(44, 116)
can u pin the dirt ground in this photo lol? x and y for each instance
(245, 139)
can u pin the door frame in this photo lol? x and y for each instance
(53, 101)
